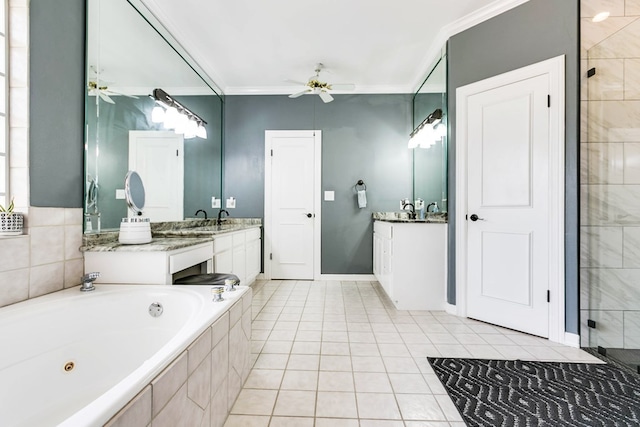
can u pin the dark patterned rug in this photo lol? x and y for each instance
(519, 393)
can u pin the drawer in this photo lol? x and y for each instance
(222, 243)
(253, 234)
(238, 239)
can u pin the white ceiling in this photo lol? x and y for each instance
(250, 46)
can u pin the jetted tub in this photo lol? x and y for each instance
(76, 359)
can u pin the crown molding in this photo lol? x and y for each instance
(483, 14)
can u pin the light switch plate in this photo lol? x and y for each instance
(329, 196)
(231, 203)
(119, 193)
(215, 203)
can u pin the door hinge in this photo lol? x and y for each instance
(591, 323)
(591, 72)
(271, 256)
(549, 101)
(548, 296)
(177, 155)
(271, 153)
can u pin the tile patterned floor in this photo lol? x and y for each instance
(339, 354)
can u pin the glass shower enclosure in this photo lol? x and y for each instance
(610, 180)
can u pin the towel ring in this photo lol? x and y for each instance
(360, 183)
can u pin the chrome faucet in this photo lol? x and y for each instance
(203, 211)
(435, 207)
(86, 282)
(220, 215)
(412, 212)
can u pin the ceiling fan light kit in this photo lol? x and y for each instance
(318, 87)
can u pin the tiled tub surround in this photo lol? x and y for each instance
(185, 367)
(610, 174)
(46, 259)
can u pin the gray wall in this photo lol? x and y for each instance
(363, 137)
(56, 107)
(532, 32)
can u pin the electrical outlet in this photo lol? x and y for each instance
(231, 203)
(119, 193)
(215, 203)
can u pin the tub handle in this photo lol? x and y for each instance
(86, 283)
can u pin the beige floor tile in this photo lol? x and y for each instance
(377, 405)
(420, 407)
(402, 365)
(277, 347)
(264, 379)
(335, 349)
(409, 383)
(291, 422)
(304, 362)
(271, 361)
(295, 403)
(300, 380)
(368, 364)
(306, 347)
(372, 382)
(336, 422)
(254, 402)
(336, 405)
(381, 423)
(364, 349)
(335, 381)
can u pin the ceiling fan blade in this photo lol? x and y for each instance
(296, 95)
(296, 82)
(325, 97)
(343, 86)
(106, 98)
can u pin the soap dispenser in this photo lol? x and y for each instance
(436, 209)
(419, 204)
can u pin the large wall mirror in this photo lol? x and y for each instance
(430, 157)
(127, 59)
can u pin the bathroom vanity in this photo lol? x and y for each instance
(178, 249)
(410, 260)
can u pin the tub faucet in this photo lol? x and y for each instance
(203, 211)
(86, 284)
(220, 216)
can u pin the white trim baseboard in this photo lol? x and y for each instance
(450, 308)
(572, 340)
(349, 277)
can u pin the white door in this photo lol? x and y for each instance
(158, 157)
(508, 204)
(292, 204)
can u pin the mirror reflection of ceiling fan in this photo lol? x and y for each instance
(100, 88)
(318, 87)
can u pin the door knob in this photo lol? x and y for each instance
(309, 215)
(475, 217)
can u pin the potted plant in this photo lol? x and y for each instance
(10, 221)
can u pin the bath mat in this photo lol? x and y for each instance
(521, 393)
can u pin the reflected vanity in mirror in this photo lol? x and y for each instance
(430, 142)
(128, 60)
(134, 229)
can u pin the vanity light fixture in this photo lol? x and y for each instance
(176, 116)
(429, 131)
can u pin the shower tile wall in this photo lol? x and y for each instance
(610, 174)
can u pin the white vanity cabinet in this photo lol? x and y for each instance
(409, 261)
(238, 253)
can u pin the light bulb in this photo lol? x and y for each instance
(181, 125)
(157, 114)
(171, 118)
(441, 130)
(201, 132)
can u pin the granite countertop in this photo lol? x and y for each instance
(403, 217)
(168, 236)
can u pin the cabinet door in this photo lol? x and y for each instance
(377, 255)
(223, 262)
(253, 259)
(240, 263)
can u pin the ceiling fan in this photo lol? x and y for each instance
(100, 88)
(318, 87)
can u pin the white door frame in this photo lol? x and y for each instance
(317, 179)
(554, 67)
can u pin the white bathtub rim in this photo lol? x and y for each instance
(103, 408)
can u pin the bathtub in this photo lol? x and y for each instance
(76, 359)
